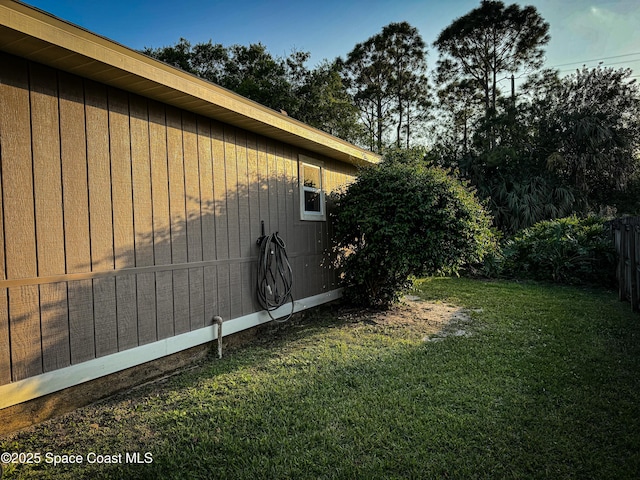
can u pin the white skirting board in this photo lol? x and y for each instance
(50, 382)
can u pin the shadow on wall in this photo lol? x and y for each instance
(152, 230)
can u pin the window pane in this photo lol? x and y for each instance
(311, 201)
(311, 175)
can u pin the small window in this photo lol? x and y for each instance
(311, 194)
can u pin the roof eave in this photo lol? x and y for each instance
(36, 35)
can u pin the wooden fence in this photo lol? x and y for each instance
(626, 235)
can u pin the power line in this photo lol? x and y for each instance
(579, 62)
(626, 61)
(595, 60)
(605, 64)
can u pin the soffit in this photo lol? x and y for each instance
(36, 35)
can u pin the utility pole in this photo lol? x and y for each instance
(513, 88)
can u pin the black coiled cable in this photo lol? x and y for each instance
(275, 276)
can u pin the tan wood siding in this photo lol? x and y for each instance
(221, 218)
(5, 346)
(123, 238)
(177, 204)
(207, 208)
(48, 215)
(194, 223)
(298, 242)
(272, 186)
(73, 150)
(19, 221)
(263, 183)
(254, 225)
(126, 221)
(161, 220)
(143, 219)
(100, 217)
(233, 222)
(244, 223)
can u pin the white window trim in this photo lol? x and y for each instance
(320, 216)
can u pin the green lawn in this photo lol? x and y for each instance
(546, 386)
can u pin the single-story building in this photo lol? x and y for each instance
(132, 196)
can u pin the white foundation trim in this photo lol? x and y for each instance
(50, 382)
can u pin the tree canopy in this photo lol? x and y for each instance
(559, 146)
(387, 77)
(592, 121)
(488, 42)
(317, 97)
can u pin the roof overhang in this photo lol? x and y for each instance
(36, 35)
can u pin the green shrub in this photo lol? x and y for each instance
(401, 219)
(567, 250)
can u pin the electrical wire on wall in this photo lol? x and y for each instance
(275, 276)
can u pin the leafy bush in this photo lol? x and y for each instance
(566, 250)
(401, 219)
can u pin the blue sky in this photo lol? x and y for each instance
(581, 30)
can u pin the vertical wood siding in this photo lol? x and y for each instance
(125, 221)
(19, 219)
(75, 192)
(47, 174)
(160, 234)
(142, 219)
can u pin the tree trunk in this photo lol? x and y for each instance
(379, 119)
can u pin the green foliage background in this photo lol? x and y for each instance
(567, 250)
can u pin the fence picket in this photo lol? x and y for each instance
(626, 237)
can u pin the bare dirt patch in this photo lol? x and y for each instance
(433, 321)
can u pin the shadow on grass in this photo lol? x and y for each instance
(550, 392)
(546, 388)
